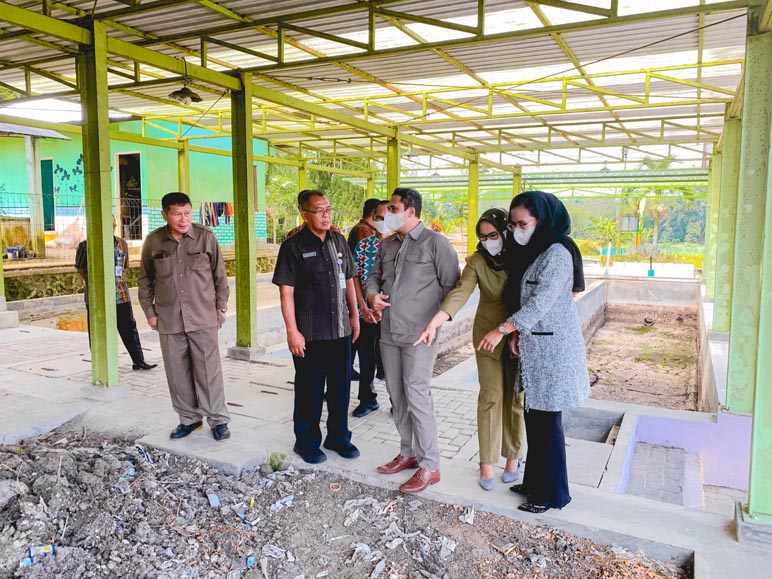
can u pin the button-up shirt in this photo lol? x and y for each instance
(416, 272)
(317, 270)
(360, 231)
(183, 282)
(121, 255)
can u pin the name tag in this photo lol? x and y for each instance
(342, 280)
(309, 254)
(119, 271)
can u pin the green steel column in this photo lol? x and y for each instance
(2, 276)
(760, 484)
(244, 209)
(711, 225)
(183, 167)
(302, 177)
(370, 187)
(392, 166)
(517, 180)
(752, 191)
(730, 173)
(473, 194)
(35, 192)
(92, 81)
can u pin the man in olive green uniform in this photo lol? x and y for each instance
(183, 290)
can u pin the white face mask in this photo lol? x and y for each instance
(493, 246)
(380, 227)
(523, 236)
(393, 221)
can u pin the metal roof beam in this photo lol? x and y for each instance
(765, 17)
(35, 22)
(575, 7)
(502, 36)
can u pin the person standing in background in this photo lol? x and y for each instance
(368, 344)
(124, 314)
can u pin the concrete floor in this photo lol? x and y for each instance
(43, 372)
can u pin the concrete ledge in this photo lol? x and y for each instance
(618, 465)
(8, 319)
(751, 532)
(252, 354)
(104, 394)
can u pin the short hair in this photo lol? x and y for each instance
(175, 198)
(306, 194)
(369, 207)
(410, 198)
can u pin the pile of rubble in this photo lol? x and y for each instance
(83, 507)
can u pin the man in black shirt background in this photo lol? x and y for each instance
(314, 273)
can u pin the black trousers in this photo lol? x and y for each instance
(127, 329)
(368, 350)
(546, 473)
(325, 361)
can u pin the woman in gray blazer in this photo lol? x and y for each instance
(544, 272)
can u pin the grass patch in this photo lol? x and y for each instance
(639, 329)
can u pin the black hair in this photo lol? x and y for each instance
(306, 194)
(524, 200)
(369, 207)
(410, 198)
(175, 198)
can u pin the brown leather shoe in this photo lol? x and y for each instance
(399, 464)
(420, 481)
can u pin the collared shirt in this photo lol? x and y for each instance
(302, 226)
(364, 257)
(318, 271)
(183, 282)
(359, 232)
(416, 272)
(121, 253)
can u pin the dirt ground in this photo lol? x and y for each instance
(654, 365)
(115, 509)
(452, 359)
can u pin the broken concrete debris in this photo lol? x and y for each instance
(84, 507)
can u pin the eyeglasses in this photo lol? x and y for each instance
(322, 211)
(492, 236)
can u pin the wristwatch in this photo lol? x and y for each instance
(503, 330)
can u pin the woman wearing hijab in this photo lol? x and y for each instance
(500, 427)
(544, 270)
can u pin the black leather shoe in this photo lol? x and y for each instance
(221, 432)
(365, 408)
(310, 456)
(183, 430)
(144, 366)
(346, 450)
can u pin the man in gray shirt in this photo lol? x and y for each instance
(413, 272)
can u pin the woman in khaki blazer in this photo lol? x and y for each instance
(500, 426)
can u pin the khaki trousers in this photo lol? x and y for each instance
(500, 423)
(408, 380)
(194, 375)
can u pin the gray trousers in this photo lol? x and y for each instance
(408, 380)
(194, 375)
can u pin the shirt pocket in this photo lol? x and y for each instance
(198, 261)
(163, 267)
